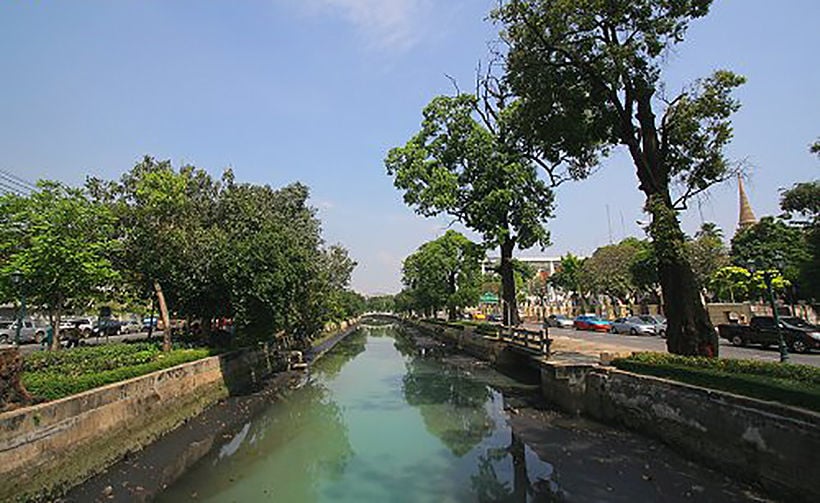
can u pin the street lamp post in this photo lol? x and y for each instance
(784, 353)
(17, 280)
(781, 343)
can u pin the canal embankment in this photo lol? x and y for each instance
(762, 442)
(49, 447)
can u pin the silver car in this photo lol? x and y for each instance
(632, 325)
(558, 321)
(657, 320)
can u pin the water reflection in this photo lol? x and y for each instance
(376, 422)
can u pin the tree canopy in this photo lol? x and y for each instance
(445, 272)
(62, 244)
(587, 77)
(465, 168)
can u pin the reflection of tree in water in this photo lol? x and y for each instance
(489, 487)
(352, 346)
(451, 404)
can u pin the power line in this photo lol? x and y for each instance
(16, 180)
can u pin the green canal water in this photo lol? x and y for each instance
(376, 421)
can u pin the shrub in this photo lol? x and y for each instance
(785, 383)
(56, 374)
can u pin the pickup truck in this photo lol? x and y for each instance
(29, 332)
(799, 335)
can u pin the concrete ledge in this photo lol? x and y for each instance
(47, 447)
(771, 444)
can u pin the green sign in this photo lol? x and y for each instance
(489, 298)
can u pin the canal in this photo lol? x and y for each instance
(380, 419)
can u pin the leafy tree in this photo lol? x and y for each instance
(771, 244)
(609, 270)
(707, 253)
(61, 241)
(736, 284)
(802, 205)
(469, 168)
(569, 278)
(445, 272)
(381, 304)
(588, 78)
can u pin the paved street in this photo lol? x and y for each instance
(91, 341)
(590, 341)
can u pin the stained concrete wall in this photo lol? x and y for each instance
(47, 447)
(767, 443)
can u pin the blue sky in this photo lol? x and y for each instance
(319, 90)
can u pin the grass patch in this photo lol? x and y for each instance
(791, 384)
(50, 375)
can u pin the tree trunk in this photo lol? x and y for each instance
(689, 330)
(451, 287)
(166, 320)
(55, 328)
(510, 314)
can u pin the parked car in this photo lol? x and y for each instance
(591, 322)
(559, 321)
(131, 326)
(633, 325)
(84, 325)
(149, 323)
(29, 332)
(657, 320)
(495, 317)
(799, 335)
(108, 327)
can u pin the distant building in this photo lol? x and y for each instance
(746, 215)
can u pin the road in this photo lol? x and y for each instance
(91, 341)
(631, 342)
(650, 343)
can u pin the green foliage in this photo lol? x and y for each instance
(771, 244)
(53, 375)
(381, 304)
(609, 270)
(786, 383)
(444, 272)
(62, 243)
(472, 170)
(736, 284)
(587, 78)
(802, 205)
(569, 277)
(707, 253)
(220, 248)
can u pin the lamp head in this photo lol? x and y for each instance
(17, 278)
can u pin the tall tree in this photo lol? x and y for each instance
(588, 78)
(61, 242)
(569, 278)
(445, 272)
(802, 205)
(465, 164)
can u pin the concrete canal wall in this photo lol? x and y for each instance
(51, 446)
(774, 445)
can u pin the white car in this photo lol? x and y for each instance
(29, 332)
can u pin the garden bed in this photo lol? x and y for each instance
(50, 375)
(790, 384)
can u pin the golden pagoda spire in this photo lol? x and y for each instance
(747, 216)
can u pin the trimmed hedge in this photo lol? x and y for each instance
(57, 374)
(790, 384)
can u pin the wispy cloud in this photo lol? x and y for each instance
(389, 24)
